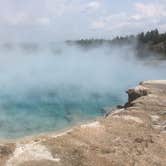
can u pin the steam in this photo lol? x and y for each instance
(47, 85)
(103, 69)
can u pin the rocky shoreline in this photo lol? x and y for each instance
(131, 135)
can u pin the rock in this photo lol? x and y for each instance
(137, 92)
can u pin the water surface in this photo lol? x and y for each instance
(49, 87)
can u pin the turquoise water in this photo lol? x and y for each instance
(52, 88)
(48, 112)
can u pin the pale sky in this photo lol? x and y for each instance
(54, 20)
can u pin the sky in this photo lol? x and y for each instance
(58, 20)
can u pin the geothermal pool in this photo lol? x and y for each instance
(52, 87)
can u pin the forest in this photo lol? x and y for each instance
(145, 41)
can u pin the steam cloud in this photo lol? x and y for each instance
(34, 79)
(102, 69)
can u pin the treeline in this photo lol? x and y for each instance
(152, 37)
(151, 40)
(89, 42)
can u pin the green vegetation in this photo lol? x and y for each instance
(153, 41)
(153, 37)
(149, 41)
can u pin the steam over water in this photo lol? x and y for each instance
(50, 87)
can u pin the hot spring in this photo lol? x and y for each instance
(50, 87)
